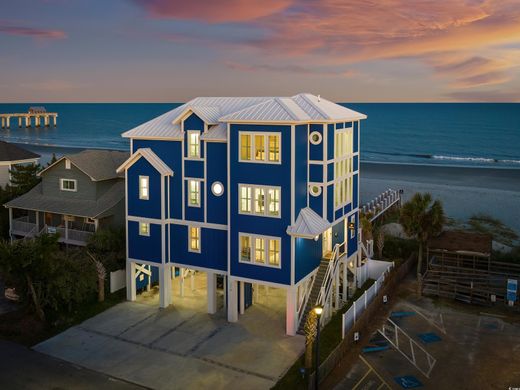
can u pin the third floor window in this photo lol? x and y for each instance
(260, 147)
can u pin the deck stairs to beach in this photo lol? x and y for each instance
(315, 291)
(468, 284)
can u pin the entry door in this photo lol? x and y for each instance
(327, 242)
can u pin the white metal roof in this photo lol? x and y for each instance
(151, 157)
(215, 133)
(308, 224)
(304, 107)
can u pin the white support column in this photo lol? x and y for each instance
(242, 298)
(11, 223)
(8, 122)
(19, 121)
(291, 315)
(3, 122)
(232, 295)
(54, 120)
(181, 282)
(165, 286)
(46, 120)
(149, 284)
(336, 290)
(212, 292)
(130, 281)
(37, 121)
(345, 280)
(27, 121)
(192, 281)
(37, 221)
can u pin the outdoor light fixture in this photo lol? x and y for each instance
(318, 310)
(316, 238)
(352, 226)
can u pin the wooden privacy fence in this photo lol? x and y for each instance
(363, 321)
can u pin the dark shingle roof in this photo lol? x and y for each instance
(35, 200)
(10, 152)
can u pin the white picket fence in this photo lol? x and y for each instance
(359, 306)
(117, 280)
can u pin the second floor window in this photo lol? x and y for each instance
(343, 167)
(259, 147)
(144, 229)
(193, 144)
(259, 250)
(194, 193)
(259, 200)
(194, 239)
(68, 185)
(144, 190)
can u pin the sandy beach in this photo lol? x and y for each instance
(463, 191)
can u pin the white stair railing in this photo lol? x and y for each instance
(303, 304)
(325, 296)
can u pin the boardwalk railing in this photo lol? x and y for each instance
(381, 203)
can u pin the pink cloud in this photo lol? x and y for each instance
(213, 11)
(294, 69)
(31, 32)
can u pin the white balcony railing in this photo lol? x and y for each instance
(22, 226)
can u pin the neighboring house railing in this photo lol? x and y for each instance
(69, 236)
(22, 226)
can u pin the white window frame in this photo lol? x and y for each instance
(198, 145)
(62, 188)
(216, 183)
(199, 240)
(343, 168)
(198, 193)
(147, 233)
(266, 146)
(143, 196)
(267, 200)
(67, 164)
(311, 192)
(252, 240)
(311, 136)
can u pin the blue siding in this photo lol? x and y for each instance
(143, 247)
(316, 151)
(216, 170)
(213, 248)
(356, 136)
(330, 142)
(262, 174)
(171, 154)
(316, 203)
(347, 208)
(356, 163)
(352, 242)
(150, 208)
(355, 191)
(330, 202)
(330, 171)
(194, 213)
(307, 257)
(340, 125)
(301, 187)
(316, 173)
(193, 168)
(338, 233)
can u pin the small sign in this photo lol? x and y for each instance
(51, 230)
(385, 298)
(356, 336)
(512, 288)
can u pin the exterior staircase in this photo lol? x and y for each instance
(313, 297)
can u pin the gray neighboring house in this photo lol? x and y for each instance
(13, 155)
(78, 194)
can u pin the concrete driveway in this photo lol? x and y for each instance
(182, 346)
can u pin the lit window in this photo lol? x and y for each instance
(274, 148)
(259, 200)
(245, 147)
(194, 193)
(274, 252)
(67, 164)
(217, 188)
(144, 229)
(259, 250)
(144, 190)
(245, 249)
(68, 185)
(260, 147)
(245, 199)
(193, 144)
(343, 166)
(194, 239)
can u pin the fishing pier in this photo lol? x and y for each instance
(42, 118)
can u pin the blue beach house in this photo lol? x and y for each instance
(255, 190)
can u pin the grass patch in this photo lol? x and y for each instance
(23, 327)
(330, 337)
(482, 223)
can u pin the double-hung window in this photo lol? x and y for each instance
(144, 190)
(259, 250)
(194, 239)
(194, 193)
(343, 166)
(193, 144)
(260, 147)
(144, 229)
(259, 200)
(68, 185)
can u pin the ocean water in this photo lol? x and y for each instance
(457, 134)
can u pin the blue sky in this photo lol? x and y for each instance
(346, 50)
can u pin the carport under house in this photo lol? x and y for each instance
(254, 191)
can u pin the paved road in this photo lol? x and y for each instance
(23, 368)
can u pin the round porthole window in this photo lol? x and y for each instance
(315, 190)
(315, 138)
(217, 188)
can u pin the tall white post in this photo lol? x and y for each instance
(8, 122)
(165, 286)
(291, 315)
(336, 288)
(19, 121)
(37, 222)
(54, 120)
(37, 121)
(130, 281)
(242, 298)
(232, 295)
(192, 281)
(345, 280)
(27, 121)
(3, 122)
(212, 292)
(181, 283)
(46, 120)
(10, 223)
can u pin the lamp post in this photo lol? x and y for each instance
(318, 310)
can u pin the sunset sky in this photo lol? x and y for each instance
(174, 50)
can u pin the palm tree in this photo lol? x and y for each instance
(422, 218)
